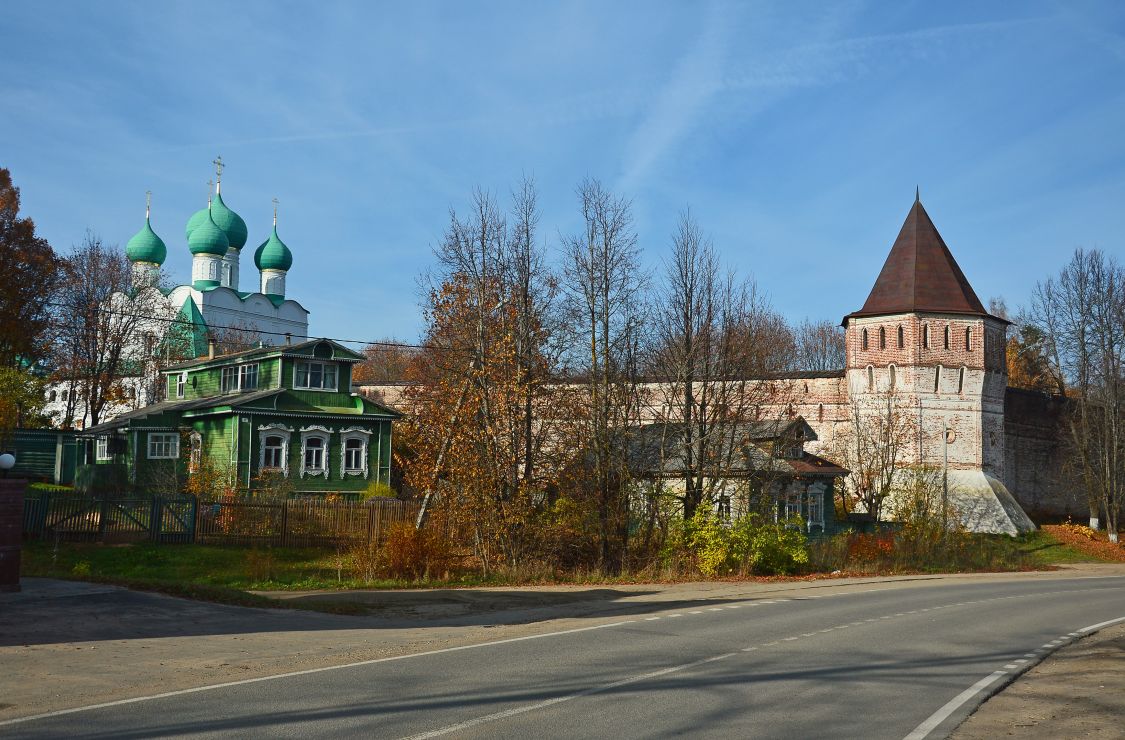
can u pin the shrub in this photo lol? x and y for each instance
(377, 489)
(748, 545)
(407, 553)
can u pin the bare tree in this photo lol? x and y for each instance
(1082, 314)
(483, 376)
(715, 345)
(108, 329)
(819, 345)
(874, 445)
(604, 290)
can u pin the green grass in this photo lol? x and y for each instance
(208, 572)
(1041, 549)
(227, 574)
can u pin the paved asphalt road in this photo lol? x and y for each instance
(864, 662)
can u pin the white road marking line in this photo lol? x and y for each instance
(651, 619)
(695, 612)
(1011, 667)
(1020, 661)
(673, 616)
(1099, 625)
(714, 609)
(306, 672)
(789, 639)
(515, 711)
(748, 649)
(935, 719)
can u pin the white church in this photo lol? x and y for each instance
(211, 305)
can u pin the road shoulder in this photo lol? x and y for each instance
(1078, 691)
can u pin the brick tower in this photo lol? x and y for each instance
(924, 339)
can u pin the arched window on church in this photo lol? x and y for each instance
(968, 339)
(937, 378)
(891, 381)
(870, 378)
(961, 381)
(947, 333)
(901, 338)
(925, 336)
(882, 337)
(863, 341)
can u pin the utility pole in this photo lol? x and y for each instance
(945, 477)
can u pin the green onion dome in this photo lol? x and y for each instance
(146, 246)
(273, 254)
(196, 221)
(229, 221)
(208, 238)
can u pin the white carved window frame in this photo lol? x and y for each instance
(195, 451)
(364, 436)
(324, 434)
(275, 430)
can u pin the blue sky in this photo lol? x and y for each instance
(796, 132)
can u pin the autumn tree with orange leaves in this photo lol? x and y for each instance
(477, 409)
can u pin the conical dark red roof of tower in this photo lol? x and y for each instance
(920, 275)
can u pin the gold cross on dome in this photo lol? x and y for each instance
(148, 203)
(218, 162)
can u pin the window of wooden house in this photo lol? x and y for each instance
(181, 381)
(163, 446)
(353, 451)
(248, 377)
(101, 449)
(353, 455)
(196, 455)
(229, 382)
(314, 455)
(319, 376)
(273, 452)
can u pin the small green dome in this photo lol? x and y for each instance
(146, 246)
(273, 254)
(195, 221)
(208, 238)
(229, 221)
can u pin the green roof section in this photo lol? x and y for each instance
(273, 254)
(192, 329)
(229, 221)
(146, 246)
(208, 238)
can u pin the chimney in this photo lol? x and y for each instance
(210, 348)
(288, 338)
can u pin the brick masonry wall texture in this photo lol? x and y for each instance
(1009, 434)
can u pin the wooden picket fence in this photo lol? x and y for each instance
(170, 519)
(301, 522)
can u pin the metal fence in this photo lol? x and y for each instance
(292, 523)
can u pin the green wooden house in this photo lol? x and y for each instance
(283, 410)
